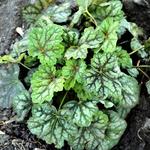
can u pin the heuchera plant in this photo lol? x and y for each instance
(80, 84)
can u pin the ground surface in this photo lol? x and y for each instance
(16, 136)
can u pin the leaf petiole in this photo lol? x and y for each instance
(62, 101)
(93, 20)
(136, 50)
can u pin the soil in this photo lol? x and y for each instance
(16, 136)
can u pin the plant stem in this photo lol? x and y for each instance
(136, 50)
(144, 73)
(62, 101)
(143, 66)
(24, 66)
(94, 21)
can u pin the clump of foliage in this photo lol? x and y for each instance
(81, 83)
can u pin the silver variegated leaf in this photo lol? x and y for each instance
(81, 112)
(51, 125)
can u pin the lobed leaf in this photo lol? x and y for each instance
(59, 13)
(102, 77)
(81, 112)
(91, 38)
(46, 43)
(91, 135)
(73, 72)
(51, 125)
(108, 30)
(22, 104)
(44, 83)
(10, 85)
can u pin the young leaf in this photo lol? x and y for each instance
(76, 52)
(91, 38)
(124, 59)
(133, 72)
(73, 72)
(82, 93)
(44, 83)
(136, 46)
(102, 9)
(83, 3)
(22, 104)
(51, 125)
(70, 37)
(108, 30)
(46, 43)
(102, 77)
(10, 85)
(81, 112)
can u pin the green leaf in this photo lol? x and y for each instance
(51, 125)
(22, 104)
(77, 16)
(133, 72)
(76, 52)
(113, 132)
(71, 37)
(102, 9)
(92, 134)
(33, 11)
(20, 46)
(81, 112)
(102, 77)
(123, 112)
(81, 92)
(124, 59)
(91, 38)
(108, 30)
(29, 76)
(44, 83)
(106, 103)
(10, 86)
(130, 91)
(136, 46)
(59, 13)
(84, 4)
(148, 86)
(45, 43)
(102, 134)
(73, 72)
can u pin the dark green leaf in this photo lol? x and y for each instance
(103, 76)
(10, 85)
(59, 13)
(22, 104)
(81, 112)
(51, 125)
